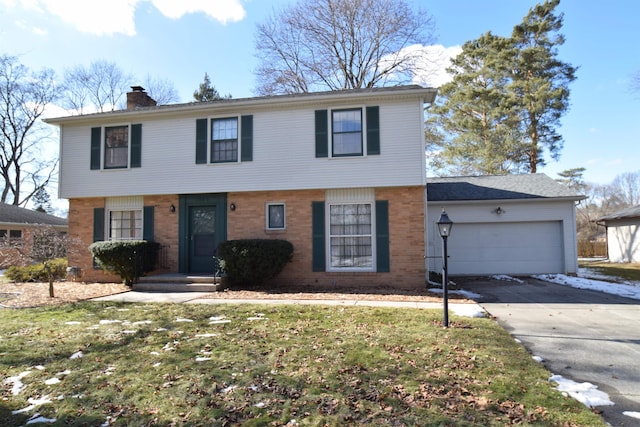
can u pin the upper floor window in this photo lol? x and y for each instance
(224, 140)
(116, 147)
(346, 126)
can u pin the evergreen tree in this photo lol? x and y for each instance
(206, 92)
(42, 201)
(501, 110)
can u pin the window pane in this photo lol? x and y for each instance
(276, 216)
(224, 140)
(116, 147)
(351, 235)
(347, 132)
(125, 225)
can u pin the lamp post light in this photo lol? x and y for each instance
(444, 228)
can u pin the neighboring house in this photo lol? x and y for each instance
(341, 175)
(16, 226)
(623, 234)
(511, 224)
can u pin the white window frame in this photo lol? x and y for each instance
(345, 196)
(363, 131)
(103, 147)
(210, 139)
(124, 204)
(268, 216)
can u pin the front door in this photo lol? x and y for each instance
(203, 226)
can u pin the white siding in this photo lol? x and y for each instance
(283, 157)
(530, 237)
(623, 240)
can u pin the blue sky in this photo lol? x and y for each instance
(181, 40)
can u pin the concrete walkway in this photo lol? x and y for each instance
(200, 298)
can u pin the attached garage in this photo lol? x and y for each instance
(512, 224)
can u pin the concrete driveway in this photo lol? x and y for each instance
(583, 335)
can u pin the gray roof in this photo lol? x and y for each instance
(17, 215)
(497, 187)
(632, 212)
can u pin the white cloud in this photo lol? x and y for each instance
(437, 60)
(102, 17)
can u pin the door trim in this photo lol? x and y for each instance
(185, 202)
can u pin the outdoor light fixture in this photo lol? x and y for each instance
(444, 228)
(232, 206)
(172, 208)
(499, 211)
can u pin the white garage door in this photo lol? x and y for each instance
(517, 248)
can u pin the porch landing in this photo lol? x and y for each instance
(176, 282)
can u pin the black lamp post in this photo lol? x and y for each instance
(444, 228)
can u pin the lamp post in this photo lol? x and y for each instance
(444, 228)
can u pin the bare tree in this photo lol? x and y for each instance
(340, 44)
(161, 90)
(24, 94)
(626, 189)
(99, 87)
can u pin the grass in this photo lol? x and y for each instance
(627, 271)
(258, 365)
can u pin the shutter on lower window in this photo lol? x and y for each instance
(322, 134)
(317, 241)
(98, 224)
(136, 146)
(201, 141)
(147, 223)
(95, 147)
(246, 144)
(373, 130)
(382, 236)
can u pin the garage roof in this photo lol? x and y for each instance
(498, 187)
(632, 212)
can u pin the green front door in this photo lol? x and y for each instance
(202, 226)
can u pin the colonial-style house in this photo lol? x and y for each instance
(341, 175)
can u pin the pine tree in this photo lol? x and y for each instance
(206, 92)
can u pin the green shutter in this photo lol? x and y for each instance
(98, 224)
(322, 133)
(373, 130)
(382, 236)
(201, 141)
(246, 142)
(96, 140)
(317, 241)
(147, 223)
(136, 146)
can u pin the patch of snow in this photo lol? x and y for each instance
(37, 418)
(129, 331)
(161, 330)
(260, 405)
(632, 414)
(466, 294)
(154, 353)
(205, 335)
(202, 359)
(215, 318)
(155, 365)
(228, 389)
(586, 393)
(538, 359)
(110, 420)
(506, 278)
(40, 367)
(468, 310)
(219, 322)
(623, 290)
(52, 381)
(76, 355)
(63, 373)
(34, 404)
(142, 322)
(180, 319)
(108, 321)
(257, 318)
(18, 386)
(73, 323)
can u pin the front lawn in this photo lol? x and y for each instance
(260, 365)
(626, 271)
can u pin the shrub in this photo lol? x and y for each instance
(129, 259)
(253, 261)
(57, 268)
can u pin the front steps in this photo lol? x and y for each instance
(178, 283)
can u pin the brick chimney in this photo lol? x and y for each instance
(139, 98)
